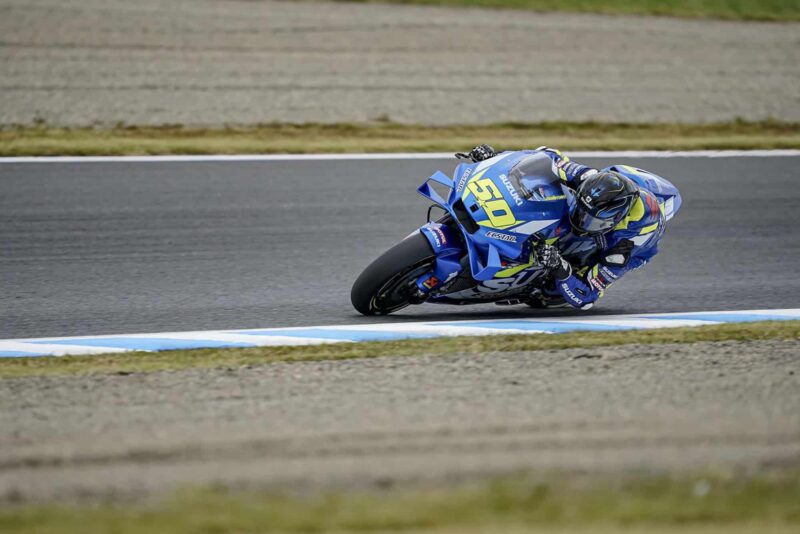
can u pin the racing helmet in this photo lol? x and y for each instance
(601, 202)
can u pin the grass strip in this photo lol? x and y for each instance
(765, 10)
(392, 137)
(695, 504)
(214, 358)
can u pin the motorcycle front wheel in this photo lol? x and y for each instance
(388, 283)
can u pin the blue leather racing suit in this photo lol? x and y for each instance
(600, 260)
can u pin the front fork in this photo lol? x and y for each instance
(446, 244)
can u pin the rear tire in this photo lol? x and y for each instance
(387, 284)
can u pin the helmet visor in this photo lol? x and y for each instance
(586, 223)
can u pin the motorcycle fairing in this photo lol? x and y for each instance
(494, 218)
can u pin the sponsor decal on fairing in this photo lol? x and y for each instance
(502, 237)
(492, 288)
(463, 180)
(511, 190)
(441, 235)
(436, 238)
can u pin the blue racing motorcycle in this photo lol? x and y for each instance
(484, 248)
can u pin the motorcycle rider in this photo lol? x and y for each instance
(621, 217)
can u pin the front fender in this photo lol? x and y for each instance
(443, 238)
(446, 244)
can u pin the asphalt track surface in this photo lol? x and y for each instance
(104, 248)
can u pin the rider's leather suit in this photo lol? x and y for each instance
(600, 260)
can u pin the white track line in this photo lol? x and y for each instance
(390, 156)
(55, 349)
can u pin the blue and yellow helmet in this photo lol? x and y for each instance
(601, 202)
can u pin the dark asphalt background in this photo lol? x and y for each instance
(100, 248)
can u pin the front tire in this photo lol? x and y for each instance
(387, 284)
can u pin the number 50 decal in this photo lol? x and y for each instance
(493, 203)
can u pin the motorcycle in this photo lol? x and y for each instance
(484, 248)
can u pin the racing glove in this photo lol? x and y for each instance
(479, 153)
(549, 257)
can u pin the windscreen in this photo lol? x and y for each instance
(530, 174)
